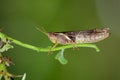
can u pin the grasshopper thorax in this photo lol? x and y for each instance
(59, 38)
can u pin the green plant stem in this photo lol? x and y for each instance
(40, 49)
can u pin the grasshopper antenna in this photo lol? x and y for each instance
(42, 29)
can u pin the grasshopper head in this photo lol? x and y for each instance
(52, 37)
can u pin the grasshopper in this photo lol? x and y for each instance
(77, 37)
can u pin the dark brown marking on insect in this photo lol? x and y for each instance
(76, 37)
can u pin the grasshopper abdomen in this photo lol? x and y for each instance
(76, 37)
(92, 36)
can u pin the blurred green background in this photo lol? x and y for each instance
(18, 19)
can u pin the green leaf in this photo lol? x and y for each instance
(7, 78)
(60, 57)
(6, 47)
(24, 76)
(2, 67)
(1, 76)
(4, 43)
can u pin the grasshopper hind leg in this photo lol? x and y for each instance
(49, 52)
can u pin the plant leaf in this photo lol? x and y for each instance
(60, 57)
(1, 76)
(6, 47)
(24, 76)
